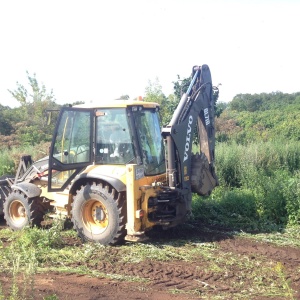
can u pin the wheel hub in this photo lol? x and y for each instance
(17, 211)
(95, 216)
(21, 211)
(98, 214)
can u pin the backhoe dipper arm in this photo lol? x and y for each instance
(195, 107)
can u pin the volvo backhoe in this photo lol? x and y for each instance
(114, 172)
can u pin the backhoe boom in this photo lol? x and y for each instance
(195, 109)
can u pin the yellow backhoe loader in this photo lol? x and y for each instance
(115, 172)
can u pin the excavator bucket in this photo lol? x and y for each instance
(203, 178)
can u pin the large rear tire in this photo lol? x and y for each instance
(99, 214)
(20, 211)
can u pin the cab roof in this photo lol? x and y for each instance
(117, 104)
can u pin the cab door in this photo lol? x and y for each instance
(72, 147)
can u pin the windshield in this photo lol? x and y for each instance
(151, 142)
(113, 138)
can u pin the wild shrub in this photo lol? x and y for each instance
(228, 164)
(10, 158)
(42, 239)
(271, 202)
(21, 262)
(291, 192)
(237, 164)
(6, 164)
(265, 175)
(232, 208)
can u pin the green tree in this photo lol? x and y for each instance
(153, 92)
(260, 117)
(264, 101)
(123, 97)
(35, 100)
(182, 85)
(220, 107)
(5, 124)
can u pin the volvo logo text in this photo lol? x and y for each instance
(188, 139)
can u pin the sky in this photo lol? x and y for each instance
(99, 50)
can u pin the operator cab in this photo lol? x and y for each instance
(128, 134)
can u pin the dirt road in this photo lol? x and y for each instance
(236, 265)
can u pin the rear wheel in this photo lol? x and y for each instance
(99, 214)
(20, 211)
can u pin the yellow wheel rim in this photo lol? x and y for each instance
(95, 216)
(17, 212)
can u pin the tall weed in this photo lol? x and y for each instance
(270, 198)
(232, 208)
(29, 248)
(233, 160)
(265, 175)
(10, 158)
(291, 192)
(6, 164)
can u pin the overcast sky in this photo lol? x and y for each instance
(98, 50)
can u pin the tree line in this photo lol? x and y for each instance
(247, 118)
(260, 117)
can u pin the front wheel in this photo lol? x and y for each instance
(99, 214)
(20, 211)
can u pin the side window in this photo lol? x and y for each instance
(72, 144)
(148, 128)
(71, 148)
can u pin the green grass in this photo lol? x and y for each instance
(289, 237)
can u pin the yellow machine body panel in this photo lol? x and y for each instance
(139, 189)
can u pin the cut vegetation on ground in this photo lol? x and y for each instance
(191, 261)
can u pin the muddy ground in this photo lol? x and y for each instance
(184, 277)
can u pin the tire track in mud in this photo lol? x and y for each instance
(243, 246)
(200, 274)
(201, 277)
(172, 275)
(288, 258)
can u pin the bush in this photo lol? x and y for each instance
(6, 164)
(259, 186)
(291, 192)
(270, 199)
(232, 208)
(238, 165)
(10, 158)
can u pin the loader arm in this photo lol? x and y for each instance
(196, 108)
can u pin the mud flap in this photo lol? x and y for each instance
(29, 189)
